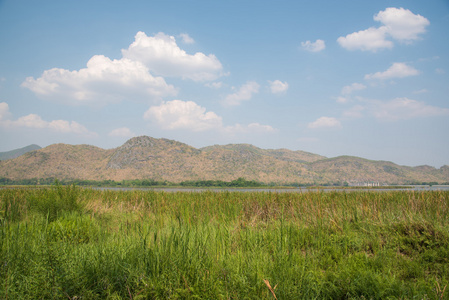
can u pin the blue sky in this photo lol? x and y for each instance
(362, 78)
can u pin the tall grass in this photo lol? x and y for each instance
(66, 242)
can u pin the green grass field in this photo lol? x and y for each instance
(72, 243)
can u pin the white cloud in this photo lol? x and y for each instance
(353, 87)
(440, 71)
(398, 24)
(316, 46)
(31, 121)
(397, 70)
(371, 39)
(324, 122)
(36, 122)
(102, 81)
(186, 39)
(129, 78)
(4, 111)
(404, 108)
(278, 86)
(187, 115)
(122, 132)
(162, 56)
(179, 114)
(245, 93)
(70, 127)
(402, 24)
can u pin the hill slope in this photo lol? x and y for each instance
(17, 152)
(357, 170)
(162, 159)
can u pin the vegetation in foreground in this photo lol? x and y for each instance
(65, 242)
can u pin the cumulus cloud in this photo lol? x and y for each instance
(316, 46)
(187, 115)
(70, 127)
(402, 24)
(4, 111)
(245, 93)
(278, 87)
(161, 55)
(397, 70)
(179, 114)
(325, 122)
(122, 132)
(36, 122)
(31, 121)
(353, 87)
(129, 78)
(404, 108)
(186, 39)
(102, 81)
(371, 39)
(398, 24)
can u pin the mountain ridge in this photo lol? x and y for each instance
(18, 152)
(146, 157)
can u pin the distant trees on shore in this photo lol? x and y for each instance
(240, 182)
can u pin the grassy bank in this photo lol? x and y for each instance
(72, 243)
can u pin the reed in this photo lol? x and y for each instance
(68, 242)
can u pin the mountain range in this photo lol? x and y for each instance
(163, 159)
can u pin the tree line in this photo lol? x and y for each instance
(240, 182)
